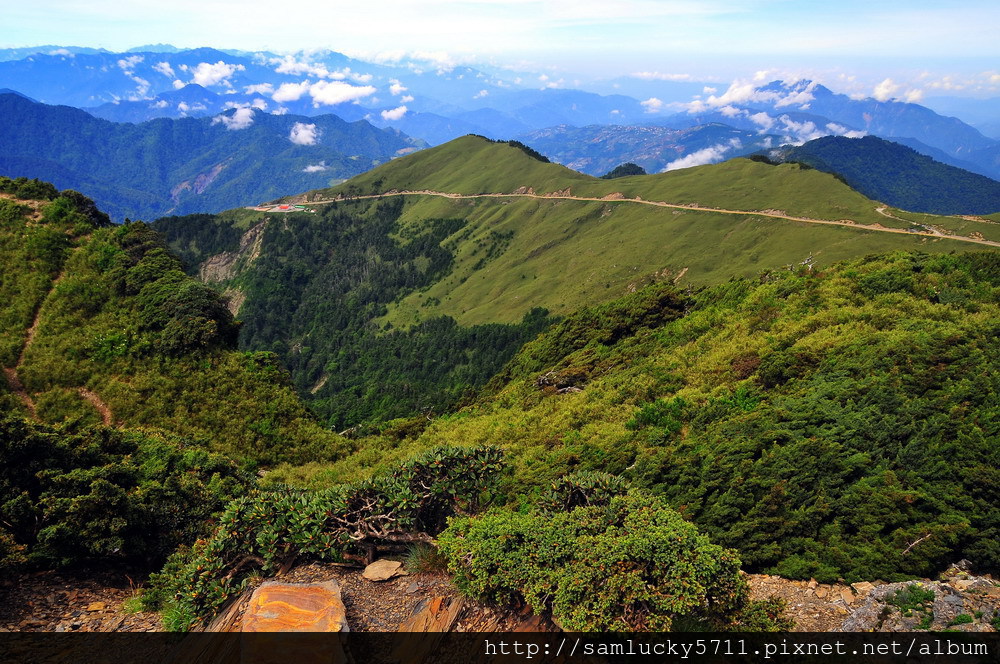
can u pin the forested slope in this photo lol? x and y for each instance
(834, 423)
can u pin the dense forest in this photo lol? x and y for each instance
(314, 297)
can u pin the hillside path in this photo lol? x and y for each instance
(773, 214)
(17, 387)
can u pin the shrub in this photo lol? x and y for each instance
(104, 494)
(633, 564)
(266, 530)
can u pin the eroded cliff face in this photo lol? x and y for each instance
(226, 265)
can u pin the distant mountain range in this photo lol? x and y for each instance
(239, 157)
(898, 175)
(441, 101)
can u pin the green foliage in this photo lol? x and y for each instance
(582, 489)
(630, 564)
(30, 190)
(104, 494)
(424, 559)
(624, 170)
(912, 598)
(961, 619)
(264, 530)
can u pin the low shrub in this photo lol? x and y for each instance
(631, 565)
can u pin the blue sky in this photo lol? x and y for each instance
(940, 47)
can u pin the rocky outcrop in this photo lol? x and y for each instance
(296, 607)
(223, 266)
(959, 601)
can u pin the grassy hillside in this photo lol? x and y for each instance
(819, 422)
(99, 323)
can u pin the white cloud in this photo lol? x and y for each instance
(406, 99)
(653, 105)
(289, 65)
(329, 93)
(206, 74)
(914, 96)
(742, 92)
(396, 88)
(481, 94)
(798, 133)
(241, 119)
(709, 91)
(840, 130)
(160, 104)
(394, 114)
(184, 107)
(63, 52)
(127, 65)
(708, 155)
(178, 84)
(259, 89)
(885, 90)
(731, 111)
(165, 69)
(657, 76)
(290, 91)
(303, 134)
(281, 110)
(762, 119)
(315, 168)
(258, 104)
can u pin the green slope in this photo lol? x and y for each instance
(817, 421)
(99, 323)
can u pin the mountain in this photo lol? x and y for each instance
(239, 157)
(385, 306)
(596, 149)
(804, 110)
(99, 325)
(898, 175)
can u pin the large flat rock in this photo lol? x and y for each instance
(296, 607)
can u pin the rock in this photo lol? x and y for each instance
(847, 596)
(412, 588)
(862, 587)
(822, 592)
(296, 607)
(383, 570)
(436, 614)
(96, 606)
(812, 583)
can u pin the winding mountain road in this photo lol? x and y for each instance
(612, 198)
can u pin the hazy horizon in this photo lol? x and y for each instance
(923, 50)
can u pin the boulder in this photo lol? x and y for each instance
(296, 607)
(383, 570)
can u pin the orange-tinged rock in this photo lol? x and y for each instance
(296, 607)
